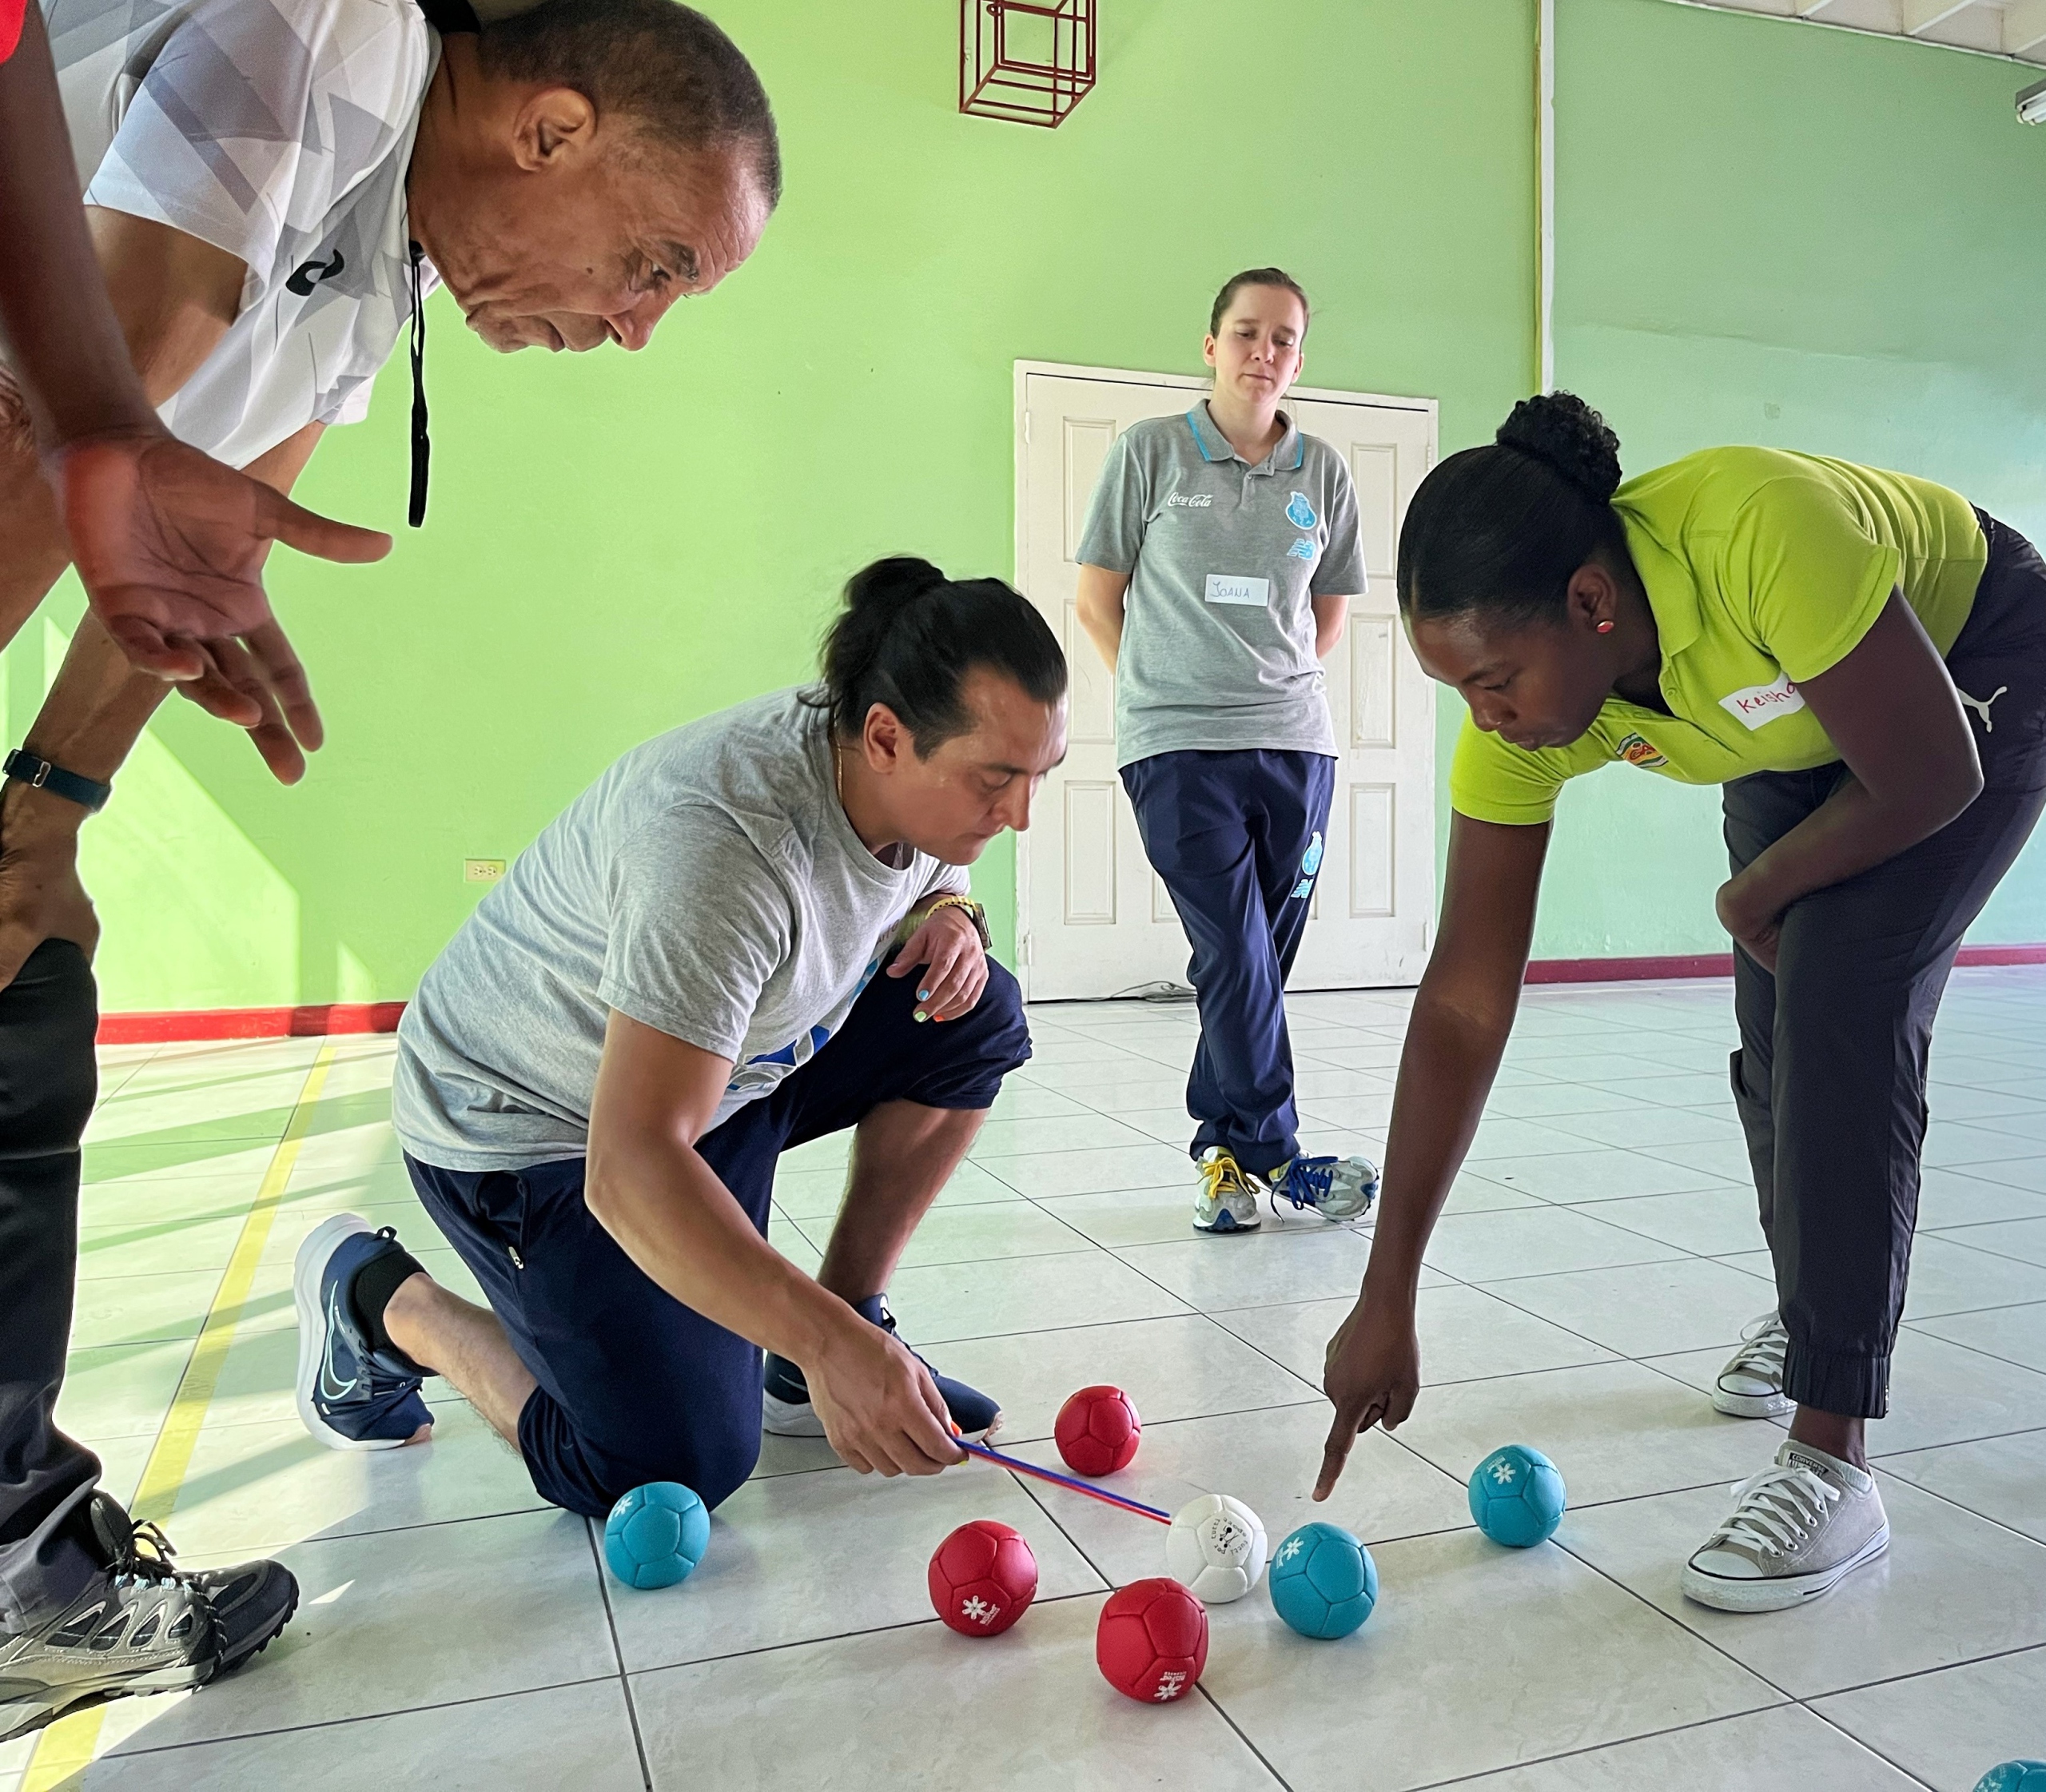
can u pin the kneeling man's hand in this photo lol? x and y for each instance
(881, 1411)
(948, 945)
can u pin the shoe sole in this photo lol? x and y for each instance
(181, 1677)
(1751, 1406)
(781, 1418)
(1225, 1223)
(1778, 1594)
(308, 1271)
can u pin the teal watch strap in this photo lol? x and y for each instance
(39, 774)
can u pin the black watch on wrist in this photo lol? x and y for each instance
(39, 774)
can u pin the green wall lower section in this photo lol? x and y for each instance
(1766, 232)
(1771, 233)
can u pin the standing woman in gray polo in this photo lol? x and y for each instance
(1217, 567)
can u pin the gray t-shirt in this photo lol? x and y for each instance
(1218, 631)
(708, 884)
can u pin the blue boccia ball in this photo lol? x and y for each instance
(2014, 1776)
(656, 1534)
(1517, 1497)
(1324, 1582)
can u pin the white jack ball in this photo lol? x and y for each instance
(1216, 1548)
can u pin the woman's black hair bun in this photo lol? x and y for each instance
(1559, 429)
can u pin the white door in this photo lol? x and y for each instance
(1093, 918)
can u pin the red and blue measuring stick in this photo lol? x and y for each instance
(1102, 1493)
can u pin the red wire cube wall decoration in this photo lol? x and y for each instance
(1031, 61)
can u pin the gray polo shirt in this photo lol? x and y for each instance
(1218, 631)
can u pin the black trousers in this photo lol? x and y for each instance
(1830, 1080)
(48, 1078)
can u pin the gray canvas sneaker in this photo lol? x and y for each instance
(1796, 1531)
(1751, 1385)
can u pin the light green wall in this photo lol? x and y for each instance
(1768, 231)
(618, 543)
(1750, 214)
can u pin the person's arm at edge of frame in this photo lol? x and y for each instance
(646, 1185)
(1462, 1015)
(1100, 603)
(169, 543)
(1907, 783)
(95, 711)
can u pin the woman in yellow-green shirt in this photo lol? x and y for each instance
(1859, 658)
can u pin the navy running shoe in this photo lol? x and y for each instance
(785, 1409)
(351, 1395)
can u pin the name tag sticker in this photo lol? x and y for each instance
(1223, 589)
(1760, 704)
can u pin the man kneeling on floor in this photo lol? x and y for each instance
(676, 983)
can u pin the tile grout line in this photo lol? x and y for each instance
(618, 1654)
(69, 1745)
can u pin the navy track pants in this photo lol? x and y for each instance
(1237, 838)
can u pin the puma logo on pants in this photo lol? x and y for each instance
(1980, 705)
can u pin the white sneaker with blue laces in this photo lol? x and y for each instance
(1338, 1188)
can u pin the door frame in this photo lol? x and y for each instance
(1019, 445)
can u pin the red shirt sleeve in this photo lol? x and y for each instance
(12, 13)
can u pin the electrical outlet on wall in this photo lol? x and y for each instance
(482, 871)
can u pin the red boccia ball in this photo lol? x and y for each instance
(983, 1578)
(1152, 1642)
(1097, 1430)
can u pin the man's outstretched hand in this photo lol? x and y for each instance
(170, 544)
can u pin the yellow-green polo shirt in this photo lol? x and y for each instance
(1762, 567)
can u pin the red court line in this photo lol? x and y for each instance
(322, 1018)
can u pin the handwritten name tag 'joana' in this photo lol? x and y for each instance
(1223, 589)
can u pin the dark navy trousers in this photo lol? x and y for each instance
(1237, 838)
(634, 1386)
(1829, 1080)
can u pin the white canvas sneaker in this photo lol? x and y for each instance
(1751, 1385)
(1797, 1530)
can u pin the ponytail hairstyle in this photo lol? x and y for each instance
(908, 636)
(1258, 277)
(1499, 530)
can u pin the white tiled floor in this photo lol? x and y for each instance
(1599, 1256)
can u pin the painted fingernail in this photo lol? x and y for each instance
(923, 995)
(921, 1016)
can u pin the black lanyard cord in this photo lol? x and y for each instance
(422, 444)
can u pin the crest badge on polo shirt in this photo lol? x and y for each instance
(1638, 751)
(1759, 705)
(1300, 512)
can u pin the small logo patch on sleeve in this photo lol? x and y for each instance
(1636, 751)
(1760, 704)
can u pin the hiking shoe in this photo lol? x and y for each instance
(1751, 1385)
(141, 1626)
(351, 1395)
(785, 1409)
(1797, 1530)
(1227, 1202)
(1338, 1188)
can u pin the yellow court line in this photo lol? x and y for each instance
(68, 1745)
